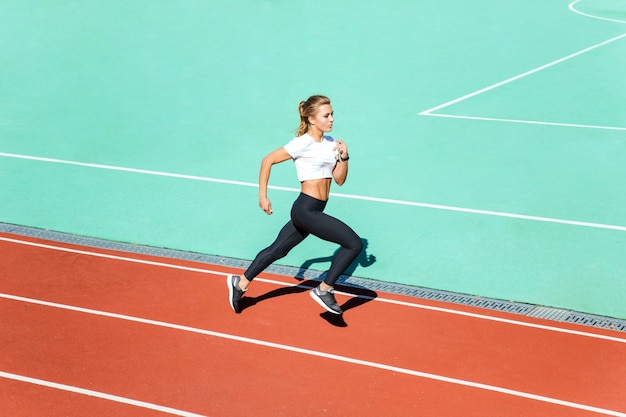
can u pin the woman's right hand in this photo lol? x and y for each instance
(265, 204)
(274, 157)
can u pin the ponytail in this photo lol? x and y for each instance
(304, 122)
(309, 108)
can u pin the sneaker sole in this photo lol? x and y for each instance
(229, 281)
(320, 302)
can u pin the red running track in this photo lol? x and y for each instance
(94, 332)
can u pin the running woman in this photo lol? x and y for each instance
(318, 160)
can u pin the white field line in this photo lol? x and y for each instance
(430, 112)
(528, 122)
(339, 195)
(572, 7)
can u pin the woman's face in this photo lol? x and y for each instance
(323, 119)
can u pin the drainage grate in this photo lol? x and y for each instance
(597, 321)
(569, 316)
(549, 313)
(529, 310)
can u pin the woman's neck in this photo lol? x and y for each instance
(316, 134)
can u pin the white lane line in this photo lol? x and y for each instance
(380, 299)
(320, 354)
(92, 393)
(339, 195)
(114, 257)
(468, 314)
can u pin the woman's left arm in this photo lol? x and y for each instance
(340, 172)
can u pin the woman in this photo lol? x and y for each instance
(318, 159)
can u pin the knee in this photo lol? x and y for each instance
(356, 245)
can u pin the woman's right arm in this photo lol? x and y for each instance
(274, 157)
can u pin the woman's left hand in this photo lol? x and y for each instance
(342, 148)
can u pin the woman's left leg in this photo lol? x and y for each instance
(333, 230)
(336, 231)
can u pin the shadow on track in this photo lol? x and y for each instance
(361, 295)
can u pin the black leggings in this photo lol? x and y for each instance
(308, 217)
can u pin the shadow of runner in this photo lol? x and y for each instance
(362, 295)
(247, 302)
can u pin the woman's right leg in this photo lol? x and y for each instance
(288, 237)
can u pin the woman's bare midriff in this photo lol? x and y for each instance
(319, 189)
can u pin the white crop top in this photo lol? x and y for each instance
(313, 160)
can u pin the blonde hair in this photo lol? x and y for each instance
(308, 108)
